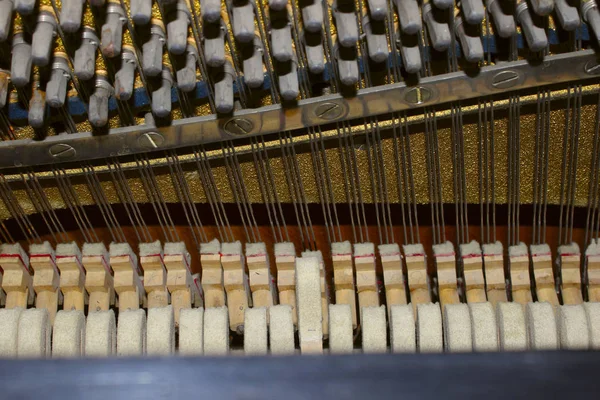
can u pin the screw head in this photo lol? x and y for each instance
(238, 126)
(418, 95)
(505, 79)
(328, 110)
(62, 151)
(150, 140)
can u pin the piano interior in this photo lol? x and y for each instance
(253, 177)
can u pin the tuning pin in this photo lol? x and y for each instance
(161, 97)
(376, 40)
(409, 16)
(211, 10)
(6, 7)
(288, 80)
(312, 16)
(243, 22)
(314, 52)
(56, 88)
(24, 7)
(411, 55)
(277, 5)
(253, 66)
(438, 31)
(125, 76)
(141, 11)
(98, 106)
(281, 43)
(346, 26)
(591, 15)
(112, 30)
(214, 44)
(43, 37)
(224, 88)
(186, 76)
(4, 80)
(177, 29)
(535, 35)
(470, 42)
(504, 23)
(152, 50)
(473, 11)
(443, 4)
(37, 105)
(97, 3)
(85, 55)
(20, 70)
(70, 15)
(567, 15)
(542, 7)
(347, 65)
(377, 9)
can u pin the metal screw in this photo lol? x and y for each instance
(62, 151)
(592, 67)
(328, 110)
(418, 95)
(238, 126)
(505, 79)
(150, 140)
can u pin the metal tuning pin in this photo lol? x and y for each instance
(71, 13)
(4, 80)
(313, 46)
(111, 37)
(312, 16)
(6, 7)
(152, 50)
(503, 22)
(443, 4)
(43, 37)
(224, 88)
(281, 36)
(347, 65)
(20, 70)
(211, 10)
(125, 76)
(439, 32)
(56, 88)
(534, 34)
(85, 55)
(141, 11)
(473, 11)
(287, 77)
(377, 9)
(377, 46)
(37, 105)
(590, 14)
(177, 29)
(470, 40)
(214, 44)
(186, 76)
(243, 21)
(542, 7)
(409, 49)
(345, 23)
(161, 97)
(98, 106)
(409, 16)
(24, 7)
(567, 15)
(252, 65)
(278, 5)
